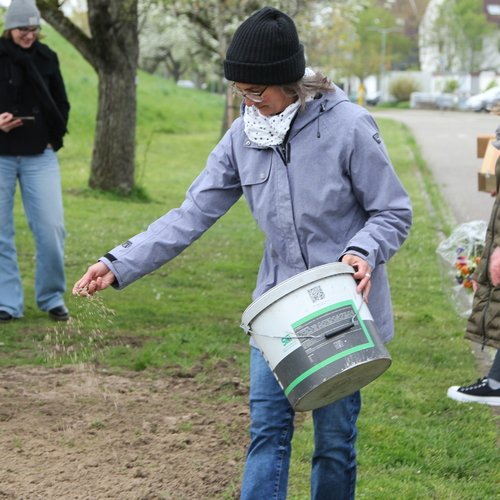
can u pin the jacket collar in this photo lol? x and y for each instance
(313, 110)
(37, 47)
(316, 107)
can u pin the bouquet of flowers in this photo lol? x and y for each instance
(465, 267)
(461, 252)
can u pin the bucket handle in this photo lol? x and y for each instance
(342, 328)
(290, 335)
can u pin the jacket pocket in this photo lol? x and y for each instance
(257, 185)
(254, 174)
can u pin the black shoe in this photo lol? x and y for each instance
(5, 316)
(480, 392)
(59, 313)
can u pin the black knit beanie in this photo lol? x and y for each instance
(265, 50)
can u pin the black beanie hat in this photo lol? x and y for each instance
(265, 50)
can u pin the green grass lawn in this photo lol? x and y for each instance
(414, 443)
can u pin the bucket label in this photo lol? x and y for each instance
(289, 342)
(327, 335)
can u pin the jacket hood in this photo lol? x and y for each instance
(316, 107)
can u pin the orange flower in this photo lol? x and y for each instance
(465, 268)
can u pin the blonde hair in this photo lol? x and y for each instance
(308, 87)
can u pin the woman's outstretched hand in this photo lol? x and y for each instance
(97, 278)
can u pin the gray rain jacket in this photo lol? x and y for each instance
(329, 190)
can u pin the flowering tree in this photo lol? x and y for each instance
(463, 36)
(213, 23)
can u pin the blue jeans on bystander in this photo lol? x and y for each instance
(40, 184)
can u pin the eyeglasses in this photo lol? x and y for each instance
(251, 96)
(25, 30)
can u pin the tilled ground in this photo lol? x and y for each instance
(81, 433)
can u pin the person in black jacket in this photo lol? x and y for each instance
(34, 111)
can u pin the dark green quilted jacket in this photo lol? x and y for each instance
(483, 325)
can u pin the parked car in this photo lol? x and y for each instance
(433, 100)
(373, 99)
(186, 84)
(494, 106)
(481, 102)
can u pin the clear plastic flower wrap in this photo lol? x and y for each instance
(460, 254)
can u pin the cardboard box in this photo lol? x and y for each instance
(486, 182)
(482, 144)
(486, 179)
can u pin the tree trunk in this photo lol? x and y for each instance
(113, 51)
(114, 144)
(231, 110)
(114, 28)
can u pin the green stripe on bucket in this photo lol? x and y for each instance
(338, 356)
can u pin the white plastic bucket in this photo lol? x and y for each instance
(318, 336)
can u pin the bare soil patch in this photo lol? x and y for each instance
(81, 433)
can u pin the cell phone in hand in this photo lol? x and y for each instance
(24, 118)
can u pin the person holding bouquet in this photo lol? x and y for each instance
(483, 324)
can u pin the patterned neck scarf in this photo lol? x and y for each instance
(268, 130)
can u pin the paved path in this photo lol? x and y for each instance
(447, 140)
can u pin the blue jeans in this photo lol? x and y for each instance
(40, 184)
(333, 472)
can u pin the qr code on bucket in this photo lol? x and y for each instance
(316, 293)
